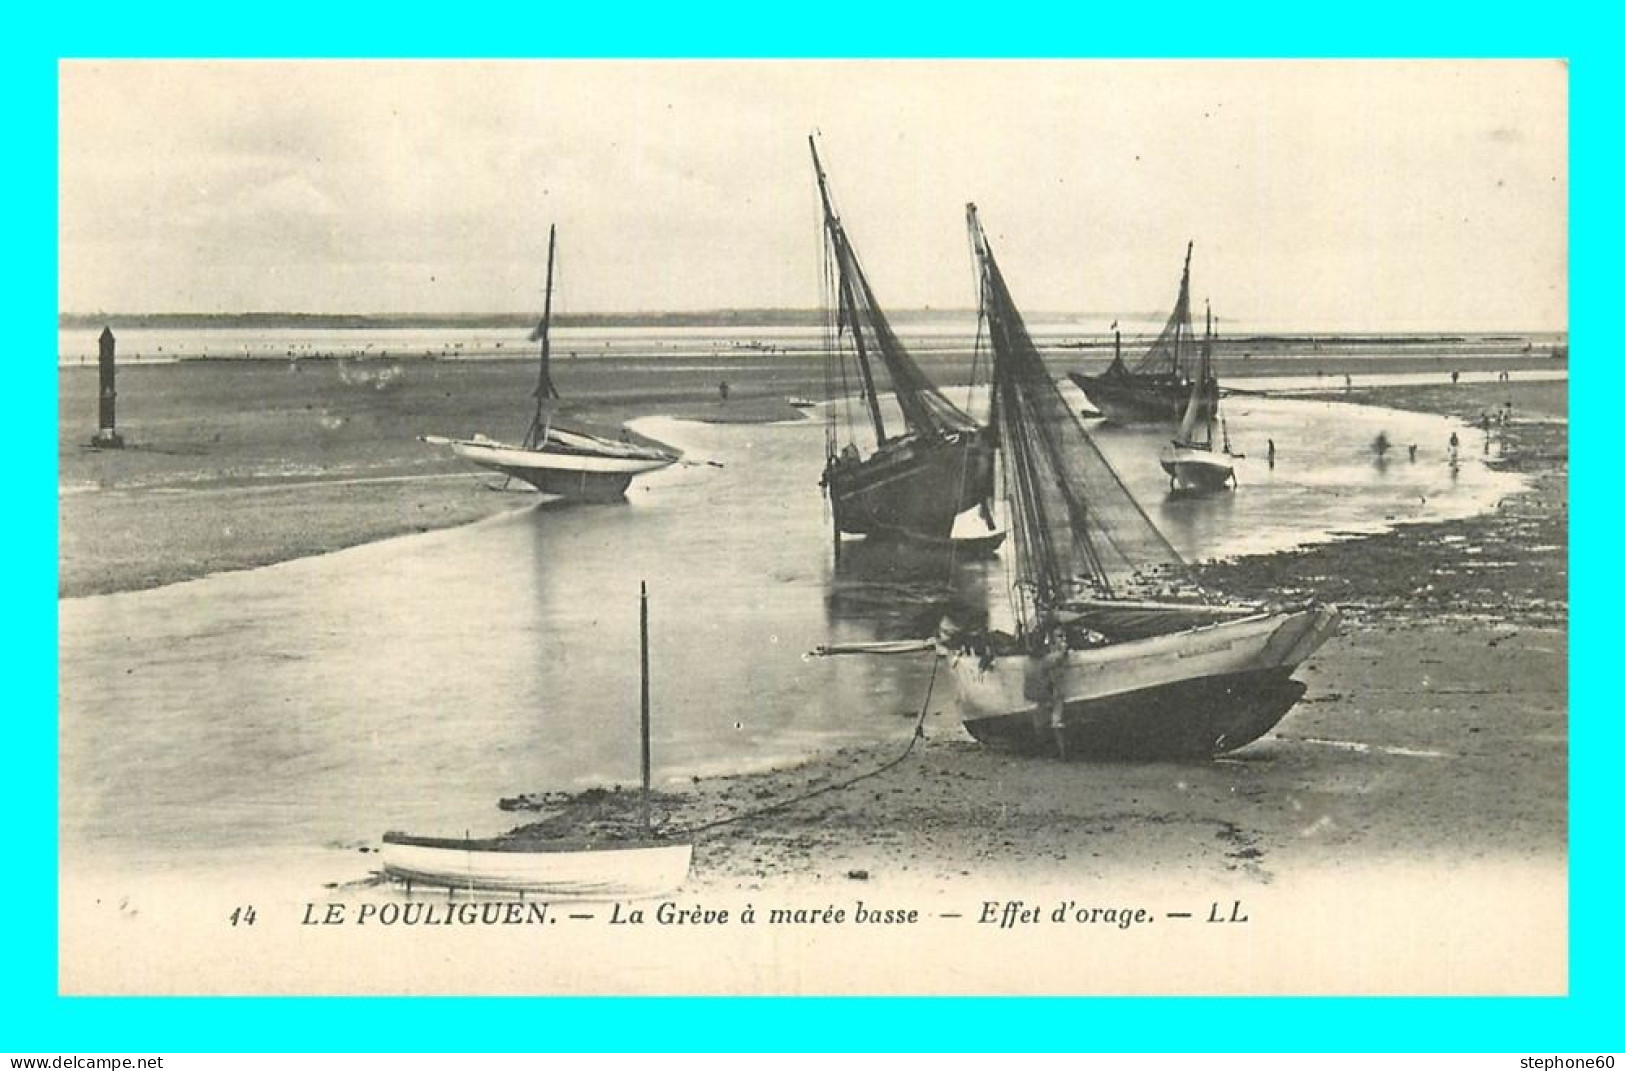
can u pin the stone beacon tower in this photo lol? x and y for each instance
(107, 435)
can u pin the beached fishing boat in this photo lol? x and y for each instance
(1113, 652)
(1190, 460)
(1158, 389)
(912, 484)
(552, 457)
(607, 866)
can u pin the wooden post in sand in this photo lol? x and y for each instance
(107, 435)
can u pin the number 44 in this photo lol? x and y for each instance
(243, 916)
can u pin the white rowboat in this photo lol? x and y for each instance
(552, 871)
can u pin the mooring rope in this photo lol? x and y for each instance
(835, 786)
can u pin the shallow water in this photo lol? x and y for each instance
(411, 683)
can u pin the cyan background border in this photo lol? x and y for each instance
(33, 1018)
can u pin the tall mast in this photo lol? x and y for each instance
(1182, 337)
(545, 390)
(1206, 374)
(843, 256)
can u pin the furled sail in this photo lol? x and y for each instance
(925, 410)
(1079, 533)
(1168, 353)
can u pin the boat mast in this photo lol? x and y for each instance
(1206, 374)
(1224, 428)
(1117, 367)
(643, 638)
(849, 305)
(545, 390)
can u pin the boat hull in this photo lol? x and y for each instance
(1141, 399)
(1191, 468)
(570, 472)
(583, 873)
(911, 487)
(1194, 693)
(976, 546)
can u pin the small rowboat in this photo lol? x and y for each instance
(585, 871)
(605, 868)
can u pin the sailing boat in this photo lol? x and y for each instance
(1190, 460)
(593, 868)
(1158, 388)
(553, 458)
(1105, 661)
(916, 483)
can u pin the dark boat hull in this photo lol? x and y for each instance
(1141, 399)
(911, 487)
(1184, 720)
(1193, 692)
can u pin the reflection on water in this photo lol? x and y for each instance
(411, 683)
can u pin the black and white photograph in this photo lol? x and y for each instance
(813, 527)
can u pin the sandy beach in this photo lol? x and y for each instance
(1454, 644)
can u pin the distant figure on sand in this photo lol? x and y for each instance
(1271, 453)
(1455, 444)
(722, 390)
(1348, 382)
(1413, 453)
(1455, 377)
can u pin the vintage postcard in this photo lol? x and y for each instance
(793, 527)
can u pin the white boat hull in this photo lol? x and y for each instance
(577, 466)
(578, 873)
(1192, 468)
(1198, 691)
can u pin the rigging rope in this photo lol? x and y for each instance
(919, 719)
(917, 735)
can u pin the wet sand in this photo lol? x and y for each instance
(237, 464)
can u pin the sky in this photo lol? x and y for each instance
(1359, 195)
